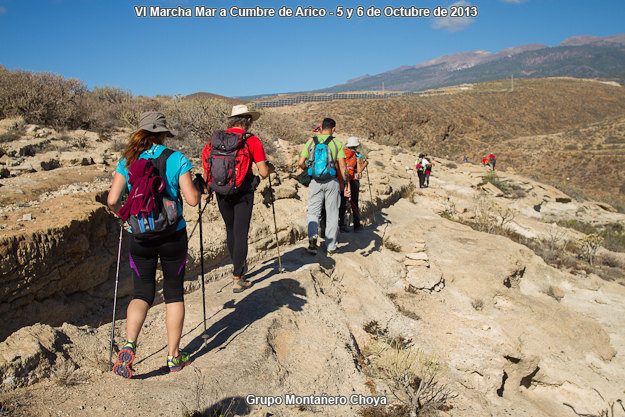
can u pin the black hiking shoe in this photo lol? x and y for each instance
(344, 229)
(312, 246)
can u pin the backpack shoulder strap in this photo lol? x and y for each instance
(336, 148)
(160, 162)
(311, 148)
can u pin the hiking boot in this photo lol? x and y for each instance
(240, 284)
(312, 246)
(344, 229)
(176, 363)
(331, 252)
(123, 366)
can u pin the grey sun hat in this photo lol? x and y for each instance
(352, 142)
(154, 121)
(241, 110)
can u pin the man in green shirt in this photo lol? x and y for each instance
(326, 184)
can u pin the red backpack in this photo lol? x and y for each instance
(352, 163)
(226, 159)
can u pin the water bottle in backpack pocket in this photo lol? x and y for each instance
(161, 221)
(321, 163)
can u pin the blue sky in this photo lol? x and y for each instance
(104, 43)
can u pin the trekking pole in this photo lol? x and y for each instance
(119, 251)
(275, 225)
(370, 195)
(199, 210)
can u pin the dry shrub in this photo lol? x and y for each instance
(65, 375)
(385, 411)
(610, 260)
(477, 304)
(374, 328)
(588, 247)
(413, 377)
(272, 126)
(195, 120)
(392, 245)
(42, 98)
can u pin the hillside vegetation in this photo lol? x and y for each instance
(583, 121)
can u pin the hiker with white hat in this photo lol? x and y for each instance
(227, 161)
(355, 163)
(144, 154)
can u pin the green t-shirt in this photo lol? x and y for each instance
(337, 152)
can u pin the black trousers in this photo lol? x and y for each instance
(236, 210)
(346, 205)
(144, 256)
(421, 175)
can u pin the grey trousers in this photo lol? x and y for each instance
(328, 192)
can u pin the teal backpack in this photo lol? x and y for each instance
(321, 165)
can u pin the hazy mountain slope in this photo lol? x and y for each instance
(580, 57)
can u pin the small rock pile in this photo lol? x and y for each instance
(420, 276)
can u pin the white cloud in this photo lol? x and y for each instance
(453, 24)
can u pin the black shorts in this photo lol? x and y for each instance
(144, 257)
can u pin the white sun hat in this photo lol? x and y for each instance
(352, 142)
(241, 110)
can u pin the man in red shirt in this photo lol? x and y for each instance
(236, 208)
(493, 160)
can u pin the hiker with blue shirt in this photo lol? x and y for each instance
(324, 159)
(170, 244)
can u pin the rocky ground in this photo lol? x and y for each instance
(516, 336)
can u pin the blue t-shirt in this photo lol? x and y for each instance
(177, 164)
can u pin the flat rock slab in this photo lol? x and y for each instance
(422, 279)
(416, 262)
(492, 189)
(420, 256)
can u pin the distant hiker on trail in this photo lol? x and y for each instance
(154, 176)
(227, 161)
(428, 170)
(355, 163)
(493, 160)
(419, 169)
(324, 158)
(485, 162)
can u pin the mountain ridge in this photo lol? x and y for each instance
(578, 56)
